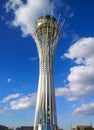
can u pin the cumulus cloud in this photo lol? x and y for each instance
(82, 52)
(81, 77)
(17, 102)
(24, 102)
(26, 14)
(10, 97)
(84, 110)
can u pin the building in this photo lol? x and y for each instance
(18, 128)
(2, 127)
(46, 37)
(83, 127)
(60, 129)
(25, 128)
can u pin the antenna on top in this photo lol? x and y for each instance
(59, 16)
(62, 24)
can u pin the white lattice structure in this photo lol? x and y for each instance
(46, 37)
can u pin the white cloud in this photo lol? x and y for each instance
(18, 102)
(82, 52)
(61, 91)
(24, 102)
(10, 97)
(5, 111)
(26, 14)
(84, 110)
(9, 80)
(81, 77)
(33, 58)
(13, 4)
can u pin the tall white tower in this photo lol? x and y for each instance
(46, 37)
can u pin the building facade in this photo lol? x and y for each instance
(83, 127)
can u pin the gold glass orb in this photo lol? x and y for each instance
(47, 25)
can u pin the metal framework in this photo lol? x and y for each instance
(47, 35)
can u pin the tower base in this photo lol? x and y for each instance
(45, 127)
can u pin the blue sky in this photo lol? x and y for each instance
(73, 66)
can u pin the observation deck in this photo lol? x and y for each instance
(47, 25)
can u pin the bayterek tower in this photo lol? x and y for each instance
(46, 37)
